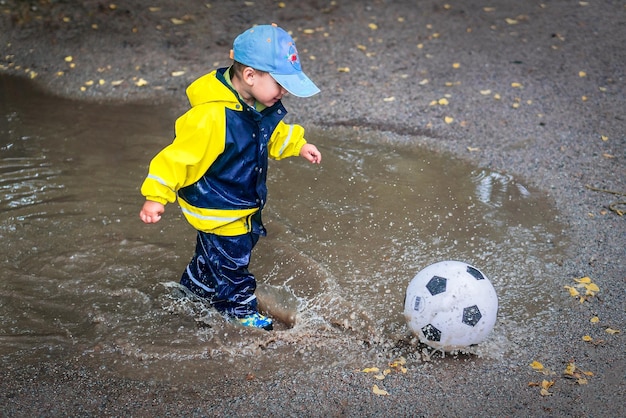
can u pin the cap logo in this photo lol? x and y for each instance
(292, 56)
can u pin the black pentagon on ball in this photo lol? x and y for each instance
(431, 333)
(471, 315)
(474, 272)
(436, 285)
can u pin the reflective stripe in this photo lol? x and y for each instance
(250, 299)
(286, 142)
(197, 283)
(210, 218)
(159, 180)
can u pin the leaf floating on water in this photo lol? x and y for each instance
(378, 391)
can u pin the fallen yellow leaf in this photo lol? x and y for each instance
(545, 392)
(472, 149)
(177, 73)
(141, 82)
(612, 331)
(516, 85)
(443, 101)
(448, 120)
(389, 99)
(343, 69)
(511, 21)
(592, 287)
(177, 21)
(570, 369)
(582, 381)
(547, 384)
(587, 338)
(585, 279)
(536, 365)
(373, 26)
(485, 92)
(379, 391)
(594, 320)
(380, 376)
(572, 291)
(371, 370)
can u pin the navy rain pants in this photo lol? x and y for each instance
(219, 272)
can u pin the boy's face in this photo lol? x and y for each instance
(265, 89)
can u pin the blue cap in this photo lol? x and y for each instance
(271, 49)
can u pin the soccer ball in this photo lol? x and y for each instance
(450, 305)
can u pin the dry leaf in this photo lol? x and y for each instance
(448, 120)
(585, 280)
(511, 21)
(572, 291)
(177, 73)
(371, 370)
(472, 149)
(545, 392)
(612, 331)
(141, 82)
(343, 69)
(536, 365)
(443, 101)
(379, 391)
(389, 99)
(516, 85)
(485, 92)
(570, 369)
(373, 26)
(587, 338)
(594, 320)
(582, 74)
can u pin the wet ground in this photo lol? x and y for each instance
(496, 174)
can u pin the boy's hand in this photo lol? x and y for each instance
(310, 153)
(151, 212)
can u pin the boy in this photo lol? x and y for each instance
(217, 165)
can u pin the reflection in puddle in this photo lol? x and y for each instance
(82, 276)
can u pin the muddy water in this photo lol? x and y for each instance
(82, 278)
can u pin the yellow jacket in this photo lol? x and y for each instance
(217, 163)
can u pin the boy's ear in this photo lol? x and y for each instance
(248, 75)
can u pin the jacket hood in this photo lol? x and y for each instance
(209, 88)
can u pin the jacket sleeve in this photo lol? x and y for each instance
(199, 141)
(286, 141)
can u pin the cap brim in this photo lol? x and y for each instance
(297, 84)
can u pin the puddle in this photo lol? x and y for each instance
(82, 277)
